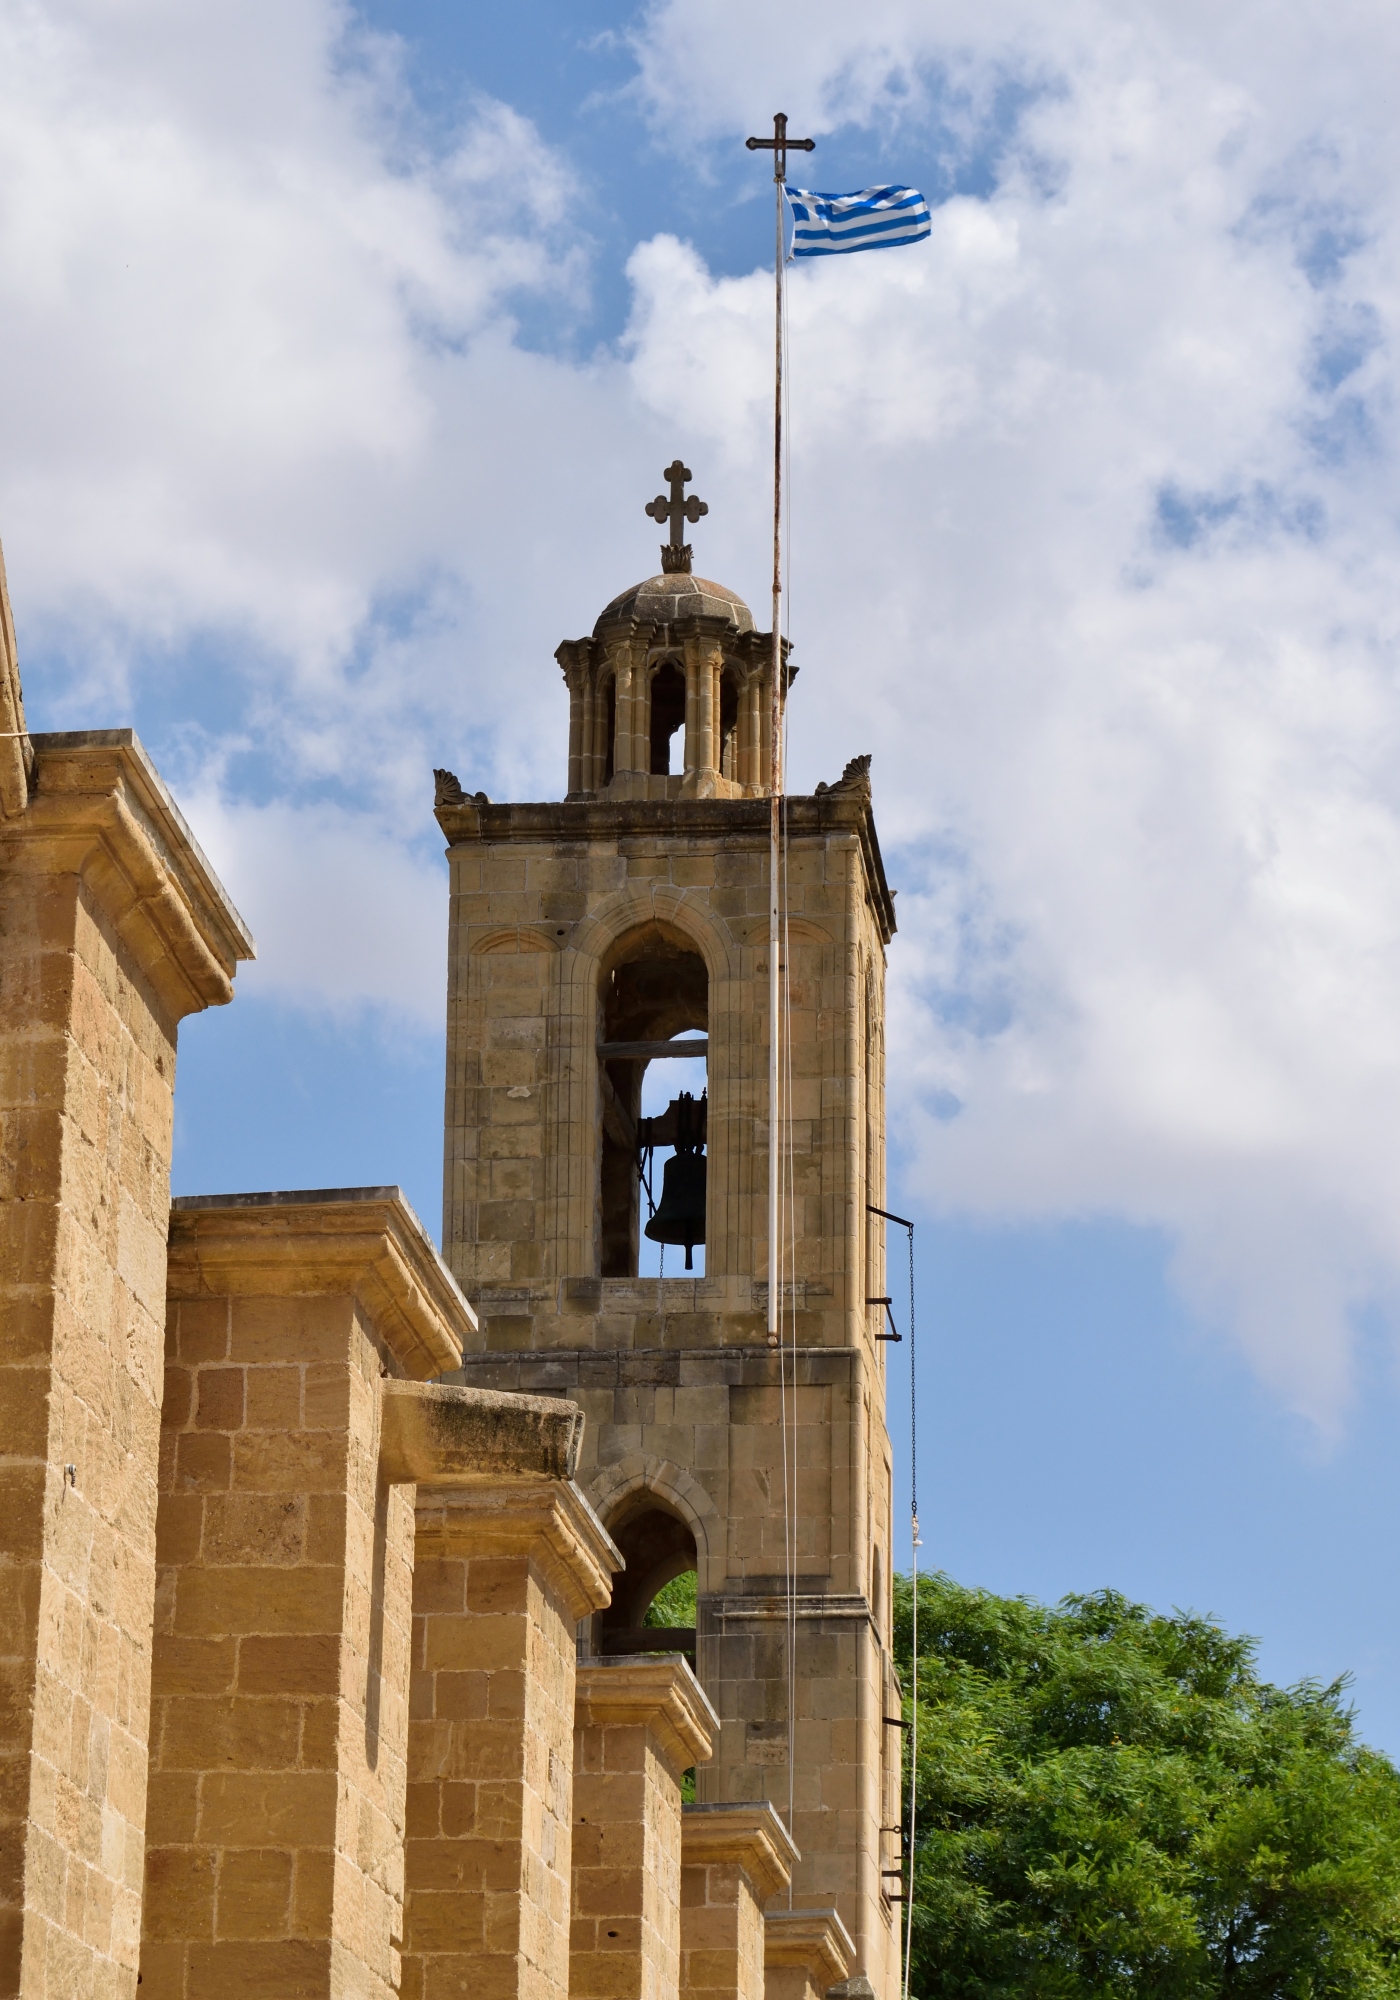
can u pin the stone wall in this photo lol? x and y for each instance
(112, 928)
(286, 1546)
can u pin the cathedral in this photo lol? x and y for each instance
(332, 1565)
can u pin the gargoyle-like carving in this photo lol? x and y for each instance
(447, 791)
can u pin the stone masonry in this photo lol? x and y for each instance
(638, 1724)
(112, 928)
(734, 1859)
(279, 1725)
(501, 1578)
(326, 1560)
(632, 912)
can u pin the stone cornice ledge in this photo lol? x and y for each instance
(655, 1690)
(363, 1242)
(837, 810)
(440, 1434)
(814, 1939)
(98, 808)
(546, 1520)
(748, 1835)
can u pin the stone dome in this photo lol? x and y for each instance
(672, 600)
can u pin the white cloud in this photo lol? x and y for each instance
(305, 877)
(1094, 541)
(1095, 549)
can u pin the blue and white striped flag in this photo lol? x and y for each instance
(826, 225)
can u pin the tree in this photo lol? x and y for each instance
(1111, 1802)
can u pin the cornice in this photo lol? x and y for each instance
(362, 1242)
(746, 1835)
(544, 1519)
(841, 809)
(97, 808)
(441, 1434)
(815, 1940)
(656, 1691)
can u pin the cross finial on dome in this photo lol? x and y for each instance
(675, 553)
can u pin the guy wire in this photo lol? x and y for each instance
(914, 1633)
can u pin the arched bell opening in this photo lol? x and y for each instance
(654, 994)
(659, 1548)
(667, 715)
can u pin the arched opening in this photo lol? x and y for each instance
(655, 990)
(660, 1551)
(667, 714)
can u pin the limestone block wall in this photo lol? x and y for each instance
(502, 1577)
(807, 1955)
(638, 1724)
(698, 1427)
(279, 1720)
(734, 1858)
(112, 928)
(541, 896)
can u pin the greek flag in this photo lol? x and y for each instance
(826, 225)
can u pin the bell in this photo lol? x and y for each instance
(680, 1214)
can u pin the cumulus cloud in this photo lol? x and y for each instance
(1110, 472)
(1094, 539)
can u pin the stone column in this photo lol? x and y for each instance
(733, 1859)
(805, 1953)
(576, 685)
(112, 928)
(625, 755)
(639, 1722)
(765, 730)
(502, 1577)
(285, 1531)
(751, 735)
(690, 761)
(703, 661)
(589, 764)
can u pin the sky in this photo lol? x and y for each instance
(339, 350)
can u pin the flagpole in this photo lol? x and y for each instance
(776, 736)
(778, 146)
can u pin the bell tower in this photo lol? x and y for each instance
(596, 943)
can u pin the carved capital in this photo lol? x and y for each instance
(545, 1521)
(655, 1691)
(748, 1836)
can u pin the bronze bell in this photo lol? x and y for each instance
(680, 1214)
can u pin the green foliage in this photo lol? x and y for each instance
(1112, 1803)
(674, 1603)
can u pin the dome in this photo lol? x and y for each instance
(672, 600)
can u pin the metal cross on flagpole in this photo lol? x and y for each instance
(778, 146)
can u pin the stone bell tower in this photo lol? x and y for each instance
(586, 937)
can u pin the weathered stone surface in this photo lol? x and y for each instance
(778, 1468)
(733, 1859)
(436, 1435)
(112, 927)
(283, 1631)
(806, 1952)
(638, 1724)
(502, 1575)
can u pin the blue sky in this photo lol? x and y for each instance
(338, 354)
